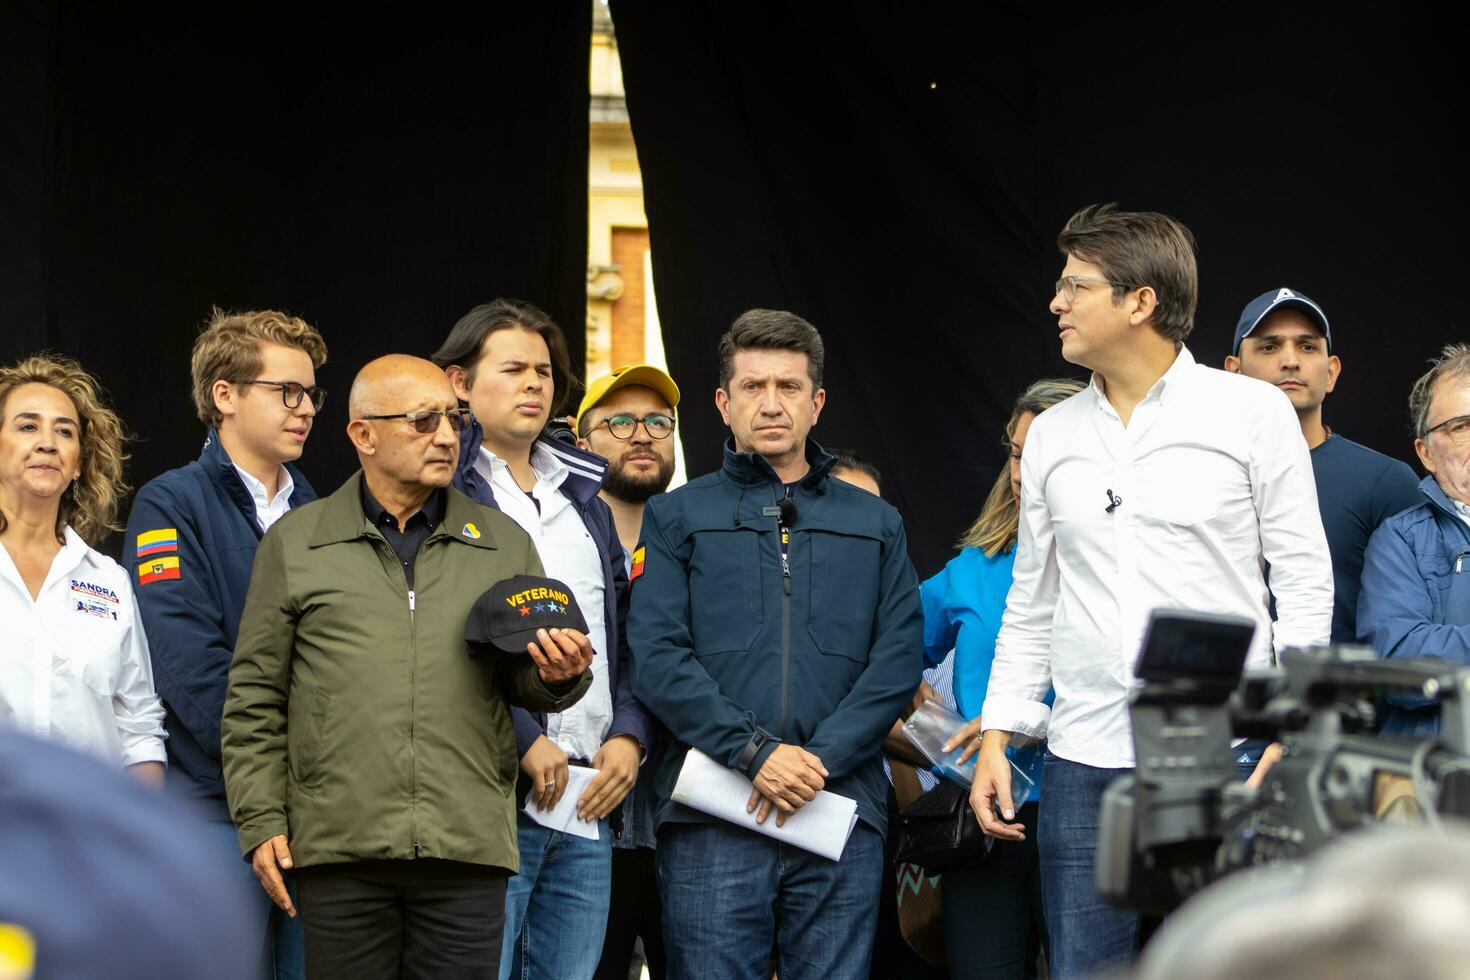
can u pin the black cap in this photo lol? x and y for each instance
(506, 618)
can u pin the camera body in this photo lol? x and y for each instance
(1183, 819)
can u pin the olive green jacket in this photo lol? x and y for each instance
(356, 722)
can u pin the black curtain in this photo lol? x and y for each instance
(898, 174)
(377, 173)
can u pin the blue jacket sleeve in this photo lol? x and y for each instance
(183, 618)
(854, 732)
(667, 677)
(940, 629)
(1396, 613)
(629, 717)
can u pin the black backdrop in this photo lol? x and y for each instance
(897, 174)
(376, 174)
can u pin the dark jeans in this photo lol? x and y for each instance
(1086, 936)
(378, 920)
(993, 923)
(732, 896)
(634, 912)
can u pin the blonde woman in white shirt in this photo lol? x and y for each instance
(73, 659)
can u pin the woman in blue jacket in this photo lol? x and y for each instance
(962, 611)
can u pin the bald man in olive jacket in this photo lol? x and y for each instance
(364, 748)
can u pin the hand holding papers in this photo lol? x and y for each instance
(822, 826)
(563, 816)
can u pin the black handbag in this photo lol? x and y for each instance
(939, 830)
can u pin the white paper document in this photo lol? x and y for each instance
(563, 816)
(821, 826)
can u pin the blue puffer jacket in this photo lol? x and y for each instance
(1415, 600)
(580, 487)
(735, 658)
(192, 620)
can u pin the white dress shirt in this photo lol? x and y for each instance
(74, 662)
(570, 555)
(268, 510)
(1213, 477)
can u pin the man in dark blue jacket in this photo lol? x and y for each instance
(509, 362)
(1415, 600)
(191, 540)
(775, 626)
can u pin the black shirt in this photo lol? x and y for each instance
(416, 529)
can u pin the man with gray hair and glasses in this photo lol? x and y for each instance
(1415, 600)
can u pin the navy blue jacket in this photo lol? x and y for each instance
(1415, 601)
(192, 621)
(580, 487)
(734, 658)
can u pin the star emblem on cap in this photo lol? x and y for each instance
(552, 607)
(525, 610)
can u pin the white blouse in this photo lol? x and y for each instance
(74, 664)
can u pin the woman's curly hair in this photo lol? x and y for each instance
(90, 504)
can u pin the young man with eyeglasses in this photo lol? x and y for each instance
(627, 417)
(508, 361)
(191, 540)
(1283, 338)
(1163, 484)
(1415, 599)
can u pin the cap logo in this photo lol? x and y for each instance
(1282, 294)
(471, 532)
(554, 595)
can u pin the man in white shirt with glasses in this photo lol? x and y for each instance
(1164, 483)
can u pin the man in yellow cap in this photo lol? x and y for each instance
(628, 418)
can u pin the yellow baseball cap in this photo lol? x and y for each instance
(630, 374)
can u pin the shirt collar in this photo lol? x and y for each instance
(550, 471)
(432, 512)
(258, 492)
(1183, 363)
(1462, 509)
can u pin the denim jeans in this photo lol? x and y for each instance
(731, 897)
(281, 943)
(556, 908)
(1085, 936)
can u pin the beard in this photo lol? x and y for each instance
(637, 489)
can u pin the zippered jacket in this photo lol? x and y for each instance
(583, 481)
(197, 524)
(1415, 598)
(357, 722)
(735, 657)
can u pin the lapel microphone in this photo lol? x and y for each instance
(1113, 502)
(788, 511)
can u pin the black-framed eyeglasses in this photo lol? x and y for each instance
(292, 392)
(427, 422)
(1457, 428)
(1067, 285)
(658, 425)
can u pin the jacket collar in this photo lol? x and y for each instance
(751, 469)
(221, 470)
(585, 470)
(343, 520)
(1430, 487)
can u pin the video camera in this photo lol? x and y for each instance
(1183, 819)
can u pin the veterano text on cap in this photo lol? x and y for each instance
(506, 617)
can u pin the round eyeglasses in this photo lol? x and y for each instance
(1067, 285)
(292, 392)
(656, 424)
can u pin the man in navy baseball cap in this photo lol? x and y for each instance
(1283, 338)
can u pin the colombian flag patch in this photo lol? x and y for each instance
(637, 568)
(157, 542)
(159, 570)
